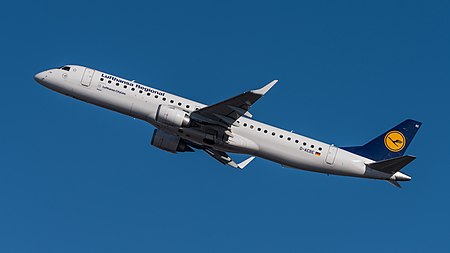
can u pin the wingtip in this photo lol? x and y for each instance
(245, 162)
(266, 88)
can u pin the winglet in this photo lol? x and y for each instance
(265, 89)
(245, 162)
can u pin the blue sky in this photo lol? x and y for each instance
(77, 178)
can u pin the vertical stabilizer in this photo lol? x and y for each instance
(391, 144)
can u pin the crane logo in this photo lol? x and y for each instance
(395, 141)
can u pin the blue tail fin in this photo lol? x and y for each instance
(391, 144)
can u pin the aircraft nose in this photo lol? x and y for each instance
(39, 77)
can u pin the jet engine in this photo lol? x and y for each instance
(169, 142)
(172, 116)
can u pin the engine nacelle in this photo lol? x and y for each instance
(169, 142)
(172, 116)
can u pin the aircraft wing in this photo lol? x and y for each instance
(225, 159)
(225, 113)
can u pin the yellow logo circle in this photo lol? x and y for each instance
(394, 141)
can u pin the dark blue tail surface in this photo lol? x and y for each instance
(391, 144)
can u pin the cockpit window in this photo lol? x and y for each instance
(66, 68)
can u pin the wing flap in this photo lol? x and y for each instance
(224, 158)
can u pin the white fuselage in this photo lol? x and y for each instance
(248, 136)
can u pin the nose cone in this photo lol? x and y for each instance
(39, 77)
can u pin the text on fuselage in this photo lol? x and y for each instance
(133, 84)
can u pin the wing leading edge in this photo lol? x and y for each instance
(226, 113)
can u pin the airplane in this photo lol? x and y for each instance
(182, 125)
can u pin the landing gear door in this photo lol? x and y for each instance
(87, 77)
(331, 154)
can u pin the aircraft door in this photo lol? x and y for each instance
(87, 77)
(331, 155)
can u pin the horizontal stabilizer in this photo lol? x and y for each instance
(394, 183)
(392, 165)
